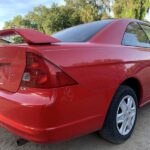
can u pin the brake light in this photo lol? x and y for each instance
(40, 73)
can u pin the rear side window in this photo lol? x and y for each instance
(81, 33)
(135, 36)
(146, 28)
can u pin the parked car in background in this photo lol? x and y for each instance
(91, 77)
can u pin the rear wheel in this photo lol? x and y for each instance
(121, 118)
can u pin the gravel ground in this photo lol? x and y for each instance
(140, 139)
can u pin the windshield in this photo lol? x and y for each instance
(81, 33)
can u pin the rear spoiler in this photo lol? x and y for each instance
(30, 36)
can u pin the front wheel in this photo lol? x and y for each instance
(121, 117)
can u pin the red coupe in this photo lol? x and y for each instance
(91, 77)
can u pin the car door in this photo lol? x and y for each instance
(146, 29)
(137, 36)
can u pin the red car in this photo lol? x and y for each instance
(92, 77)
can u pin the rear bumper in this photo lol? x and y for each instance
(52, 135)
(46, 116)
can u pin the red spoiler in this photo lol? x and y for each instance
(30, 36)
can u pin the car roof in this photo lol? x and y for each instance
(113, 33)
(131, 20)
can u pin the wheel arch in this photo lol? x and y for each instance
(135, 84)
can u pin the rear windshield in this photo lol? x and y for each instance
(81, 33)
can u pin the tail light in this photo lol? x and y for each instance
(40, 73)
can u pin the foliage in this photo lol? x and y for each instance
(55, 18)
(17, 39)
(131, 8)
(20, 21)
(51, 19)
(90, 10)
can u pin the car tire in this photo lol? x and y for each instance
(121, 117)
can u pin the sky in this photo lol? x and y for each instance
(148, 16)
(12, 8)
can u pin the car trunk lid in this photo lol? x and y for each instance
(12, 64)
(13, 57)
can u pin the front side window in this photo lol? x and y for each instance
(135, 36)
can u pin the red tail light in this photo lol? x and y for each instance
(39, 73)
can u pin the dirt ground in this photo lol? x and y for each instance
(140, 139)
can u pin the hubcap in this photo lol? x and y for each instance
(126, 115)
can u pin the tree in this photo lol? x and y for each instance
(89, 13)
(59, 18)
(131, 8)
(38, 17)
(20, 21)
(55, 18)
(90, 10)
(47, 20)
